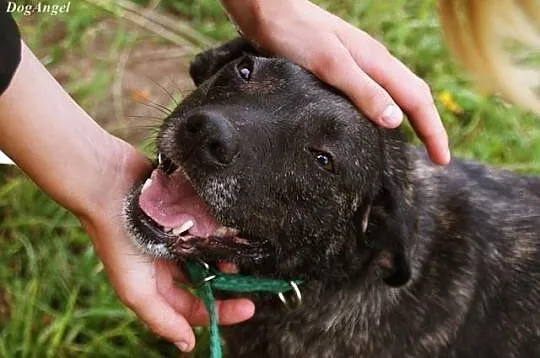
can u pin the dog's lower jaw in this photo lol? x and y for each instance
(351, 264)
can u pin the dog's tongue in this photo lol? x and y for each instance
(171, 201)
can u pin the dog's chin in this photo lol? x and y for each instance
(167, 219)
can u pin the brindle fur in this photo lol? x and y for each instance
(449, 265)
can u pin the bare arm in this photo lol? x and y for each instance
(89, 172)
(50, 137)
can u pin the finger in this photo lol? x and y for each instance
(162, 319)
(432, 132)
(174, 269)
(408, 90)
(229, 312)
(417, 101)
(338, 68)
(235, 310)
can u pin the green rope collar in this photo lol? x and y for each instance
(207, 280)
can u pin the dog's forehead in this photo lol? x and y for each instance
(277, 86)
(272, 76)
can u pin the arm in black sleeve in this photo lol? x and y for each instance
(10, 47)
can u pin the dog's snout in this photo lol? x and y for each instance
(210, 137)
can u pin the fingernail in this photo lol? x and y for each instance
(392, 116)
(183, 346)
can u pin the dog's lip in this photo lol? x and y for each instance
(183, 240)
(222, 250)
(172, 202)
(193, 231)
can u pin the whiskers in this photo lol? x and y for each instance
(154, 105)
(174, 96)
(144, 121)
(173, 99)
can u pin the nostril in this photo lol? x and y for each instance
(221, 151)
(194, 124)
(216, 148)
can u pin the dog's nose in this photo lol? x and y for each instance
(210, 137)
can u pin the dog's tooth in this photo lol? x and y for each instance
(225, 231)
(184, 227)
(160, 158)
(146, 185)
(221, 231)
(168, 230)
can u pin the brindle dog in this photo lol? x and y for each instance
(266, 167)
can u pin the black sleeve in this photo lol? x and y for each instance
(10, 47)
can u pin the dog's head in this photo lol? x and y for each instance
(265, 166)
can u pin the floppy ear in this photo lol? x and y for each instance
(391, 219)
(207, 63)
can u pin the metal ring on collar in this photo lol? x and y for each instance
(208, 278)
(294, 303)
(205, 280)
(204, 264)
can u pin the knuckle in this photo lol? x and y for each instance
(376, 59)
(424, 88)
(379, 49)
(377, 99)
(325, 62)
(421, 96)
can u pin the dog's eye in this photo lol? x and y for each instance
(245, 68)
(325, 160)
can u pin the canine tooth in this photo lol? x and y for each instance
(160, 158)
(225, 231)
(221, 231)
(365, 220)
(146, 185)
(184, 227)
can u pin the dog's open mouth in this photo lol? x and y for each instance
(170, 213)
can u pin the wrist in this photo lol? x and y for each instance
(118, 166)
(69, 156)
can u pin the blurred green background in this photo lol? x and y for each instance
(119, 60)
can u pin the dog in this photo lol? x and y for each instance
(266, 167)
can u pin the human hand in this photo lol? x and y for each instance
(146, 285)
(92, 181)
(346, 58)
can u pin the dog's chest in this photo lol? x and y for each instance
(336, 327)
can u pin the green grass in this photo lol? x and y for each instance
(54, 297)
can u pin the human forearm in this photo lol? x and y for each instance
(55, 142)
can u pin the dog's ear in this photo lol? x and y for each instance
(389, 222)
(207, 63)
